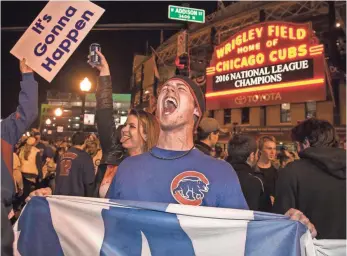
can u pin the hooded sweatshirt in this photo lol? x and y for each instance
(12, 128)
(316, 185)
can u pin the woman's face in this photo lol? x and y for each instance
(132, 135)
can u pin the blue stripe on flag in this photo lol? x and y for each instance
(143, 205)
(268, 216)
(37, 234)
(123, 227)
(273, 237)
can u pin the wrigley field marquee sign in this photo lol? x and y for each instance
(267, 63)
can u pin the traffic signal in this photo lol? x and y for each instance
(182, 64)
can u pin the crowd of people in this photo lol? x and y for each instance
(171, 155)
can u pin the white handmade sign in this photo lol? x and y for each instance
(55, 34)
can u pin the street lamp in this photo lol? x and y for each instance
(48, 121)
(85, 86)
(58, 112)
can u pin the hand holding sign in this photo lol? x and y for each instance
(24, 68)
(103, 67)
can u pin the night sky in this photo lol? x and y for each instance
(119, 47)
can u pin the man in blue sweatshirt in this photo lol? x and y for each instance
(175, 171)
(12, 128)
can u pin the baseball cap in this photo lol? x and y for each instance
(209, 125)
(197, 93)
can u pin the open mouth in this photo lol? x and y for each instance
(170, 105)
(124, 138)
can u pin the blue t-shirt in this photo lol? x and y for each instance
(195, 179)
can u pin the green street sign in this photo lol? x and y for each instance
(186, 14)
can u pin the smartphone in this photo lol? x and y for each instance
(93, 56)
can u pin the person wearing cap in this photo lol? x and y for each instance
(42, 145)
(208, 134)
(175, 171)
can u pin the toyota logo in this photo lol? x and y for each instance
(241, 100)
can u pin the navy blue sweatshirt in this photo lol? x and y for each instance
(12, 128)
(75, 174)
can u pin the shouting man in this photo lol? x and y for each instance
(175, 171)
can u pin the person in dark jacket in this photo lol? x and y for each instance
(42, 147)
(139, 134)
(316, 184)
(75, 170)
(12, 128)
(208, 134)
(265, 168)
(242, 155)
(115, 158)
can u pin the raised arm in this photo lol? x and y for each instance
(104, 115)
(104, 112)
(13, 127)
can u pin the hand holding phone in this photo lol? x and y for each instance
(97, 60)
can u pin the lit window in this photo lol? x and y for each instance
(245, 116)
(285, 113)
(227, 116)
(311, 109)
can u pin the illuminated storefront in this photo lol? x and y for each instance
(268, 77)
(71, 105)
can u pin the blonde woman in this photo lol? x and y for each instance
(31, 165)
(139, 135)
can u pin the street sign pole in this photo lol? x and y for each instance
(182, 58)
(182, 43)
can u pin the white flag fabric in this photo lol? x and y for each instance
(60, 225)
